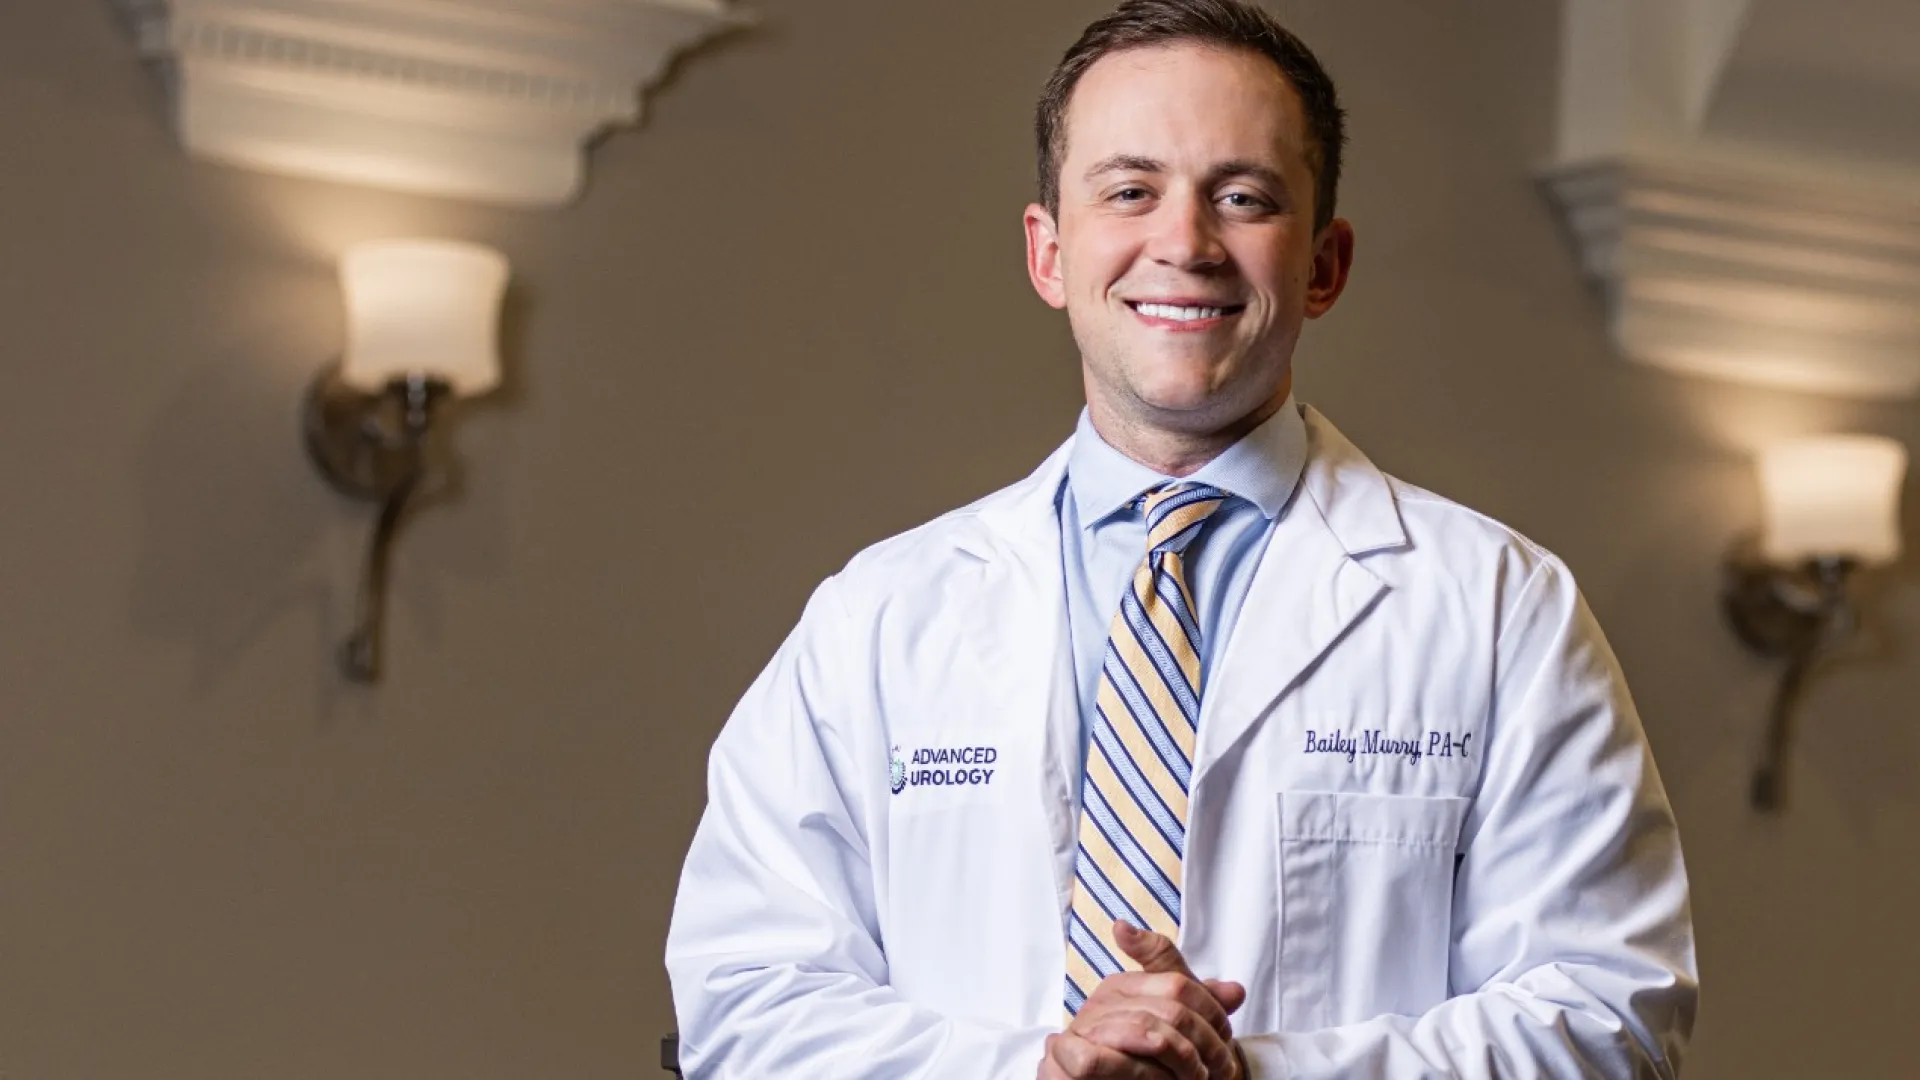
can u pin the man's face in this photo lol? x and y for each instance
(1184, 251)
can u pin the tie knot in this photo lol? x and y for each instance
(1175, 514)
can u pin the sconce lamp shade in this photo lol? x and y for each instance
(1832, 496)
(423, 307)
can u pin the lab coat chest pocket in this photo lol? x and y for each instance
(1366, 897)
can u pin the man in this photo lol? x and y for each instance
(1208, 750)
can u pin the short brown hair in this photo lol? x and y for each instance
(1237, 24)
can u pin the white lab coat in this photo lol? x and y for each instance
(1507, 902)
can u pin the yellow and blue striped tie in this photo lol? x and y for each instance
(1133, 813)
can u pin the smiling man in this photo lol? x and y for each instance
(1207, 750)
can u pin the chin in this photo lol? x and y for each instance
(1186, 388)
(1195, 412)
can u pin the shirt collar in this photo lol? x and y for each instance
(1262, 468)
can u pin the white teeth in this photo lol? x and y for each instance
(1179, 314)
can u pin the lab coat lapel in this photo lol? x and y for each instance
(1308, 591)
(1023, 643)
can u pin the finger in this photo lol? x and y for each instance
(1050, 1067)
(1130, 988)
(1074, 1058)
(1153, 952)
(1157, 954)
(1165, 1032)
(1230, 995)
(1145, 1036)
(1212, 1044)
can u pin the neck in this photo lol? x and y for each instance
(1173, 451)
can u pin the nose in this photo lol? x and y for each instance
(1187, 234)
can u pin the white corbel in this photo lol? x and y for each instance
(495, 100)
(1741, 177)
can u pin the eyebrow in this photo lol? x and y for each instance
(1136, 163)
(1125, 163)
(1266, 174)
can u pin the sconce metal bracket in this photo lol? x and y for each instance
(374, 447)
(1791, 613)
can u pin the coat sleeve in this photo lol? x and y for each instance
(1572, 950)
(775, 950)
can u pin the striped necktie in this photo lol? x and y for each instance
(1133, 815)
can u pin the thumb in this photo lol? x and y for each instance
(1231, 995)
(1153, 952)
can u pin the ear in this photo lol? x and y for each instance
(1043, 256)
(1332, 262)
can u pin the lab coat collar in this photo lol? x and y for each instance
(1261, 468)
(1022, 518)
(1349, 497)
(1355, 500)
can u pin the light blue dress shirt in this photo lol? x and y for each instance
(1103, 537)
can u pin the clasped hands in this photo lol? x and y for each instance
(1159, 1023)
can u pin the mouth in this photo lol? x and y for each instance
(1183, 314)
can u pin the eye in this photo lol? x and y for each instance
(1245, 200)
(1130, 194)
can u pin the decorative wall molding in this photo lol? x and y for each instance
(1721, 273)
(1732, 234)
(495, 100)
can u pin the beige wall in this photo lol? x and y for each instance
(789, 318)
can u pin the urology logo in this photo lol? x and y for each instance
(921, 768)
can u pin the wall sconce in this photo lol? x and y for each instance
(1832, 506)
(422, 326)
